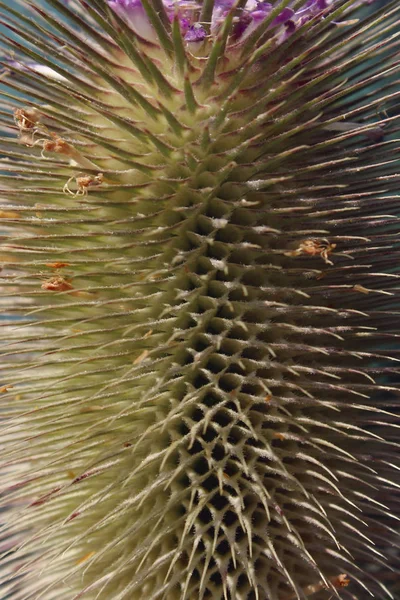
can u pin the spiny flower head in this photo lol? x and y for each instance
(199, 203)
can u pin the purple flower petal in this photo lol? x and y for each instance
(195, 33)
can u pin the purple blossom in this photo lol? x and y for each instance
(250, 17)
(195, 33)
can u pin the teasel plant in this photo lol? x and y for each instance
(199, 217)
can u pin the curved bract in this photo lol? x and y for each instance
(199, 276)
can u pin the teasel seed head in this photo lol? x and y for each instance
(199, 278)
